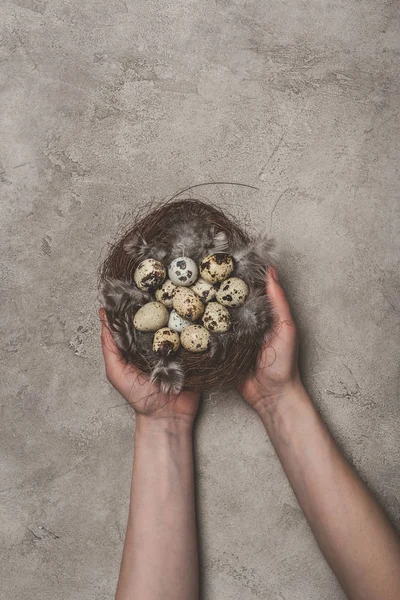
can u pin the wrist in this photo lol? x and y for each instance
(281, 400)
(292, 420)
(165, 424)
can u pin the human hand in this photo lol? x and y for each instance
(277, 370)
(144, 397)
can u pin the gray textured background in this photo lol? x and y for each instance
(106, 104)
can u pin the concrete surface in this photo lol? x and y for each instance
(106, 104)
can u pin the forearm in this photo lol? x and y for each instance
(350, 527)
(160, 553)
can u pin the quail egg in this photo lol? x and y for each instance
(216, 267)
(149, 274)
(151, 316)
(176, 322)
(216, 318)
(165, 293)
(195, 338)
(204, 290)
(187, 304)
(165, 341)
(233, 292)
(183, 271)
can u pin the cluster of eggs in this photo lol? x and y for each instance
(198, 304)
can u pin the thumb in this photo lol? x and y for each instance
(277, 297)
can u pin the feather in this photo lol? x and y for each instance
(144, 346)
(252, 260)
(169, 375)
(262, 246)
(119, 295)
(190, 238)
(219, 345)
(252, 319)
(137, 246)
(219, 242)
(124, 334)
(121, 299)
(186, 239)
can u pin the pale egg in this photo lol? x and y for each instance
(216, 267)
(149, 274)
(183, 271)
(233, 292)
(216, 318)
(165, 341)
(204, 290)
(187, 304)
(176, 322)
(165, 293)
(195, 338)
(151, 316)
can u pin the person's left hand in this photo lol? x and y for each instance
(144, 397)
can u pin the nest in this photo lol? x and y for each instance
(195, 229)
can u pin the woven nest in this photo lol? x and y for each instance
(194, 229)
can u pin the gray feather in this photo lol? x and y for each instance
(169, 375)
(219, 242)
(253, 318)
(119, 295)
(191, 239)
(252, 260)
(138, 247)
(219, 344)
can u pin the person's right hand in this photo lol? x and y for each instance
(277, 370)
(145, 397)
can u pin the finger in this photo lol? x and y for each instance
(277, 297)
(111, 353)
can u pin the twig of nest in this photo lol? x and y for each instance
(184, 294)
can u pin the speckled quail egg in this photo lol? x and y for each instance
(165, 292)
(183, 271)
(216, 267)
(216, 318)
(151, 316)
(187, 304)
(233, 292)
(195, 338)
(176, 322)
(165, 341)
(204, 290)
(149, 274)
